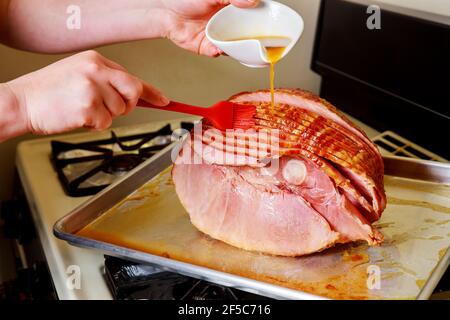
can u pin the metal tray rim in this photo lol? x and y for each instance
(241, 283)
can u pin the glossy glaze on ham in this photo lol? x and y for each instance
(328, 188)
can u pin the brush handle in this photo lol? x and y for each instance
(178, 107)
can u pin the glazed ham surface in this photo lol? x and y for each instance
(326, 186)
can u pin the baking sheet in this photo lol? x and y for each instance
(150, 225)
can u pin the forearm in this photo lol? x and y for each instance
(41, 26)
(12, 121)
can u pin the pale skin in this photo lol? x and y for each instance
(87, 89)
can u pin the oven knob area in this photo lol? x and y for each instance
(18, 226)
(32, 279)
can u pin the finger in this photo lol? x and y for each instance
(207, 48)
(99, 119)
(237, 3)
(113, 101)
(129, 88)
(132, 89)
(244, 3)
(152, 95)
(103, 119)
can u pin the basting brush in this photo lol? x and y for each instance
(222, 115)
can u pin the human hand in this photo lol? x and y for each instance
(84, 90)
(188, 20)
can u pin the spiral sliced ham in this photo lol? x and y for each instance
(326, 187)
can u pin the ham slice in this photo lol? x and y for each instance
(315, 180)
(228, 208)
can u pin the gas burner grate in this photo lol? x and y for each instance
(392, 143)
(88, 167)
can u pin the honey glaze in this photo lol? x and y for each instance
(275, 46)
(274, 55)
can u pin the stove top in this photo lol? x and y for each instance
(106, 281)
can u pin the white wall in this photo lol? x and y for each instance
(181, 75)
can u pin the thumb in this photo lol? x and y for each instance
(244, 3)
(153, 96)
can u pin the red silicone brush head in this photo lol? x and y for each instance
(243, 116)
(227, 115)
